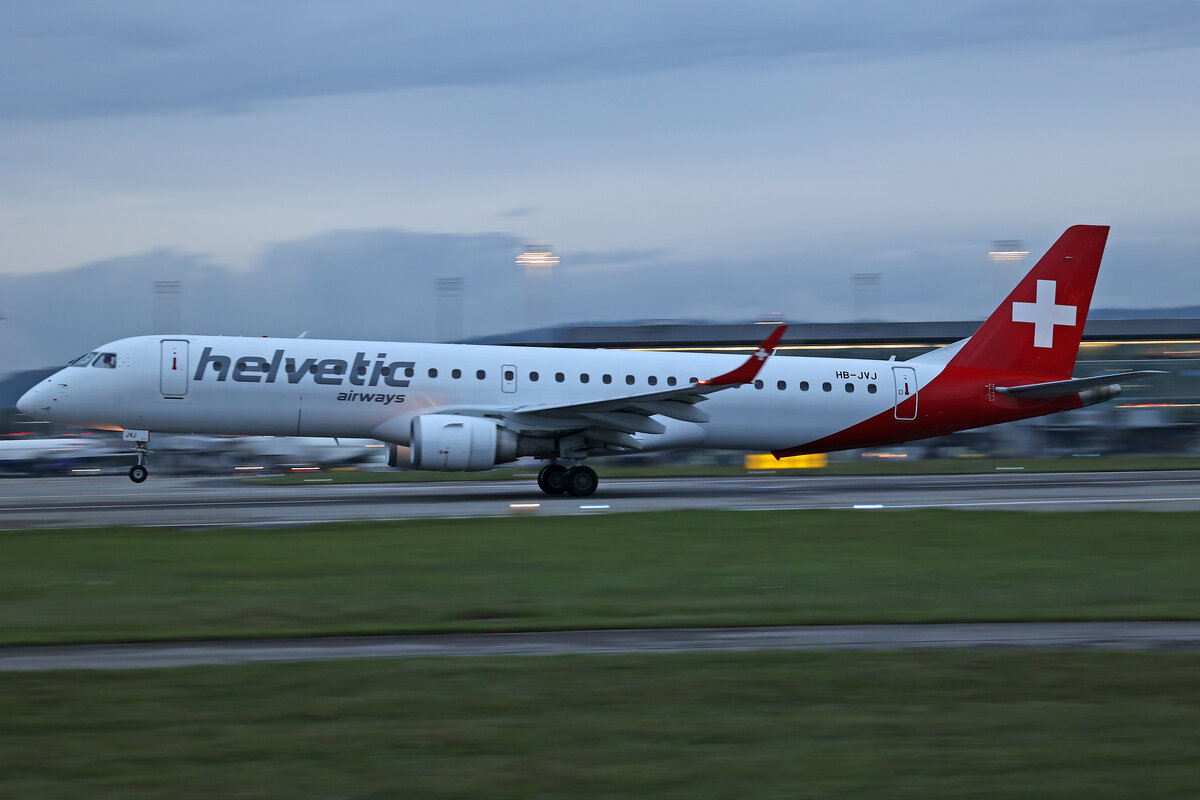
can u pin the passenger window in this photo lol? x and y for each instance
(533, 376)
(804, 386)
(83, 360)
(433, 372)
(870, 388)
(584, 378)
(758, 384)
(385, 371)
(827, 387)
(652, 380)
(671, 381)
(781, 385)
(456, 373)
(849, 388)
(361, 371)
(408, 371)
(509, 375)
(558, 376)
(606, 378)
(480, 374)
(629, 379)
(312, 368)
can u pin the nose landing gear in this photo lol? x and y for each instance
(140, 439)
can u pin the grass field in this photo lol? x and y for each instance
(773, 725)
(944, 466)
(629, 570)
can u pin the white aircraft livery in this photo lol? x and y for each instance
(471, 407)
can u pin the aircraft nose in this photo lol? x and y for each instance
(34, 401)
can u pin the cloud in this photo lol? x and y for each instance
(379, 285)
(373, 284)
(70, 60)
(521, 211)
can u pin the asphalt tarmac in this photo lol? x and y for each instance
(205, 502)
(1020, 635)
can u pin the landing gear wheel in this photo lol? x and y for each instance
(553, 479)
(138, 473)
(581, 481)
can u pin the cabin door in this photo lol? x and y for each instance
(173, 375)
(906, 392)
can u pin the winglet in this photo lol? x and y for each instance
(749, 369)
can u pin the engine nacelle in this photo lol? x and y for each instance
(1089, 397)
(452, 442)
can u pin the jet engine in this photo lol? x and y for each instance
(1099, 394)
(452, 442)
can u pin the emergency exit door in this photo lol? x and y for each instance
(508, 378)
(173, 374)
(906, 392)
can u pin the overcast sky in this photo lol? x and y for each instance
(316, 165)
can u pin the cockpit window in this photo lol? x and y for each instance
(83, 360)
(107, 360)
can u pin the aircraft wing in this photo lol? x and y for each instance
(613, 421)
(1073, 385)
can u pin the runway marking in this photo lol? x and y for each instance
(1076, 501)
(1113, 635)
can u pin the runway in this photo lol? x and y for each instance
(204, 502)
(1021, 635)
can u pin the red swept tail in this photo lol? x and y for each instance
(1036, 330)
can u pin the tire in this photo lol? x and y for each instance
(138, 473)
(553, 479)
(581, 481)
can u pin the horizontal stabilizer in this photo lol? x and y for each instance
(1073, 385)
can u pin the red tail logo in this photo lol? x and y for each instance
(1044, 313)
(1037, 329)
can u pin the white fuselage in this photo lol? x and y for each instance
(306, 387)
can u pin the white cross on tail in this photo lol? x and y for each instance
(1044, 313)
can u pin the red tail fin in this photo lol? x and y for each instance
(1038, 326)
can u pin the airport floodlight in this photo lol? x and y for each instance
(1007, 250)
(449, 311)
(867, 287)
(537, 255)
(538, 261)
(166, 310)
(1007, 257)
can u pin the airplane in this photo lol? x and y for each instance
(472, 407)
(30, 455)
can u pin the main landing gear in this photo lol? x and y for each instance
(577, 481)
